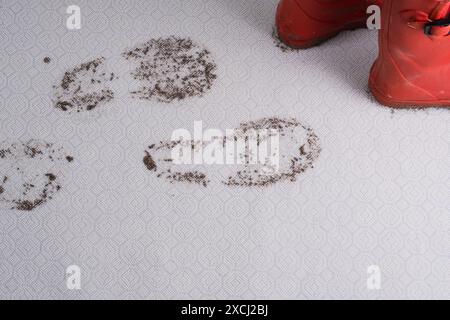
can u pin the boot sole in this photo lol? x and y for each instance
(406, 104)
(318, 41)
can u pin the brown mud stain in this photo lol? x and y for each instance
(301, 149)
(171, 69)
(23, 186)
(84, 87)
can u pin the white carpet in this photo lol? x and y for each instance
(378, 194)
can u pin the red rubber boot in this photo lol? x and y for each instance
(413, 67)
(305, 23)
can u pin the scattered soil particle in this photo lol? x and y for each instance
(50, 176)
(84, 88)
(298, 163)
(149, 162)
(69, 159)
(46, 194)
(302, 150)
(171, 69)
(32, 152)
(4, 153)
(190, 177)
(193, 177)
(27, 205)
(47, 60)
(24, 187)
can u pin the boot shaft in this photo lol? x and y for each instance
(411, 28)
(414, 54)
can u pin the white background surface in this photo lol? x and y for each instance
(378, 195)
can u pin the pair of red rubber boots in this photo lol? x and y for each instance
(413, 66)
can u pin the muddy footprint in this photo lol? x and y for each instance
(170, 69)
(299, 148)
(84, 87)
(256, 154)
(30, 173)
